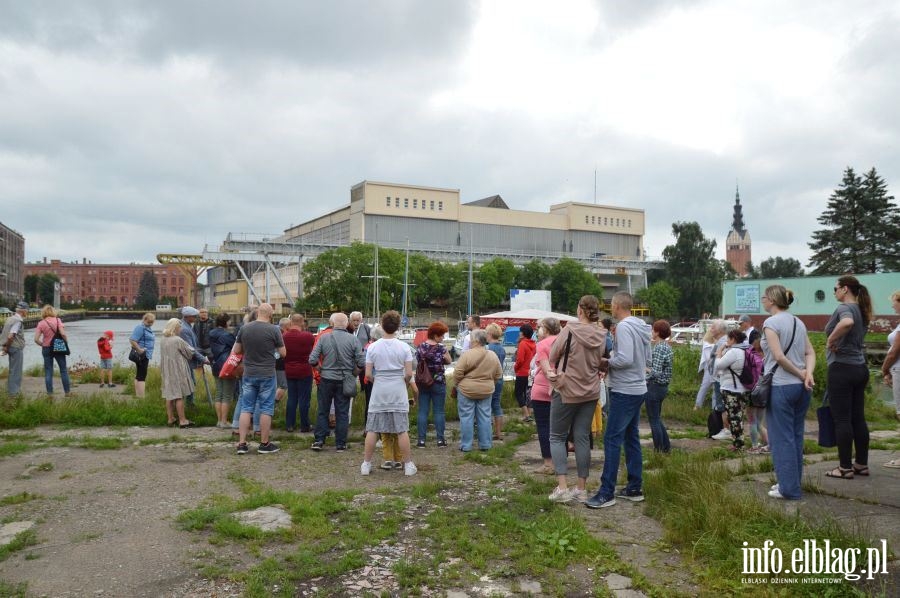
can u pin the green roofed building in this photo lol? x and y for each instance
(814, 299)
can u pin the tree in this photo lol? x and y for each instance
(692, 269)
(31, 287)
(533, 276)
(882, 219)
(861, 228)
(662, 298)
(569, 281)
(45, 288)
(148, 291)
(752, 272)
(779, 267)
(498, 277)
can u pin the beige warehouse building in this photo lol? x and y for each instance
(434, 221)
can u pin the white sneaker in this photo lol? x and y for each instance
(365, 468)
(724, 434)
(409, 468)
(560, 495)
(775, 493)
(579, 495)
(774, 487)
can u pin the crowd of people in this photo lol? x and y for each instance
(567, 380)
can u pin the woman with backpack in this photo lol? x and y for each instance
(734, 394)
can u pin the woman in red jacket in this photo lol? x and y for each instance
(524, 354)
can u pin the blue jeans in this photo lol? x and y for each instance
(333, 391)
(541, 411)
(622, 429)
(496, 408)
(786, 415)
(47, 352)
(655, 395)
(16, 362)
(299, 395)
(432, 399)
(471, 411)
(258, 394)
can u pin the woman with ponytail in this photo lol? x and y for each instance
(848, 376)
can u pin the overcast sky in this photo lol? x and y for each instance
(131, 128)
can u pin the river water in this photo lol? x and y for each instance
(83, 335)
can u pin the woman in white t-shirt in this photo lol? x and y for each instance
(786, 346)
(890, 369)
(390, 361)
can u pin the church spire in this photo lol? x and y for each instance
(737, 223)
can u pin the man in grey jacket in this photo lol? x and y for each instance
(340, 355)
(627, 388)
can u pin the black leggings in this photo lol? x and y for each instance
(521, 390)
(846, 395)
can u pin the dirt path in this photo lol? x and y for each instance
(105, 518)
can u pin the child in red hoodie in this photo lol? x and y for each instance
(104, 346)
(524, 355)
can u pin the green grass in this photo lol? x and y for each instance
(19, 590)
(21, 541)
(510, 531)
(18, 499)
(709, 520)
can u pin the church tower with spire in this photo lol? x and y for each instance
(737, 244)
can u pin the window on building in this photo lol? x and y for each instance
(415, 203)
(432, 205)
(388, 200)
(440, 206)
(604, 222)
(629, 223)
(406, 202)
(396, 202)
(585, 219)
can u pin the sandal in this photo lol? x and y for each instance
(187, 424)
(169, 424)
(840, 472)
(862, 470)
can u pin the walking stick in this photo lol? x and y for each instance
(206, 384)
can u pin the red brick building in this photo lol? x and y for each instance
(737, 244)
(116, 284)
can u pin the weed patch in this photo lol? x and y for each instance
(21, 541)
(18, 499)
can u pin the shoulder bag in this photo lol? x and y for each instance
(424, 378)
(762, 392)
(348, 379)
(135, 355)
(59, 346)
(827, 436)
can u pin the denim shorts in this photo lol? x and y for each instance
(258, 392)
(106, 364)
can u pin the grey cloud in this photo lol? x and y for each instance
(235, 32)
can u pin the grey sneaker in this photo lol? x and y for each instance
(560, 495)
(579, 495)
(242, 448)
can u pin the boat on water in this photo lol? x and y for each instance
(692, 333)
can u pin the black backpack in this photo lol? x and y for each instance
(714, 423)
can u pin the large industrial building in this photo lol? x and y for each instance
(435, 222)
(12, 258)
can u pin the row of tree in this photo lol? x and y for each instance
(341, 279)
